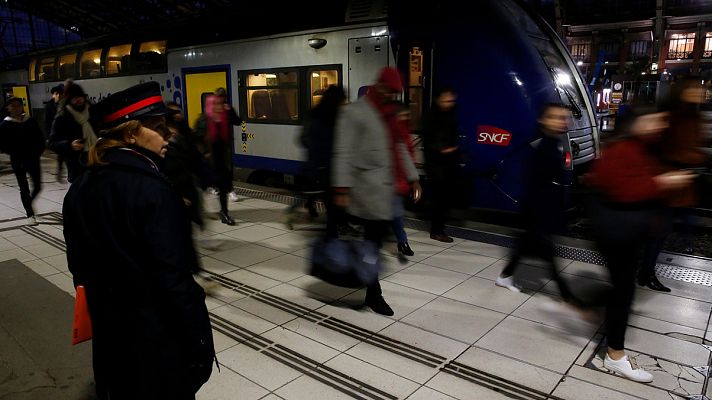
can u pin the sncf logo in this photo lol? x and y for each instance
(492, 135)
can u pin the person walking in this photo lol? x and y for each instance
(363, 178)
(631, 184)
(440, 139)
(220, 118)
(22, 138)
(543, 202)
(72, 134)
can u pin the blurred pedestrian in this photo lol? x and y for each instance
(183, 163)
(318, 139)
(22, 138)
(543, 202)
(129, 244)
(72, 134)
(363, 177)
(50, 112)
(406, 175)
(680, 148)
(632, 185)
(220, 118)
(442, 157)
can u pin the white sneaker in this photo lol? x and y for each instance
(232, 196)
(508, 283)
(32, 220)
(628, 369)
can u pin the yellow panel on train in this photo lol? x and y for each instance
(21, 92)
(197, 84)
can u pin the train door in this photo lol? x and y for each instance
(201, 82)
(20, 91)
(367, 56)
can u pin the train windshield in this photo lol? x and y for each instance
(566, 83)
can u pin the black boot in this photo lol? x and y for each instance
(225, 218)
(405, 249)
(379, 306)
(654, 284)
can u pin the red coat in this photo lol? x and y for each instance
(401, 135)
(625, 173)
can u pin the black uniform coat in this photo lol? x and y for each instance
(129, 242)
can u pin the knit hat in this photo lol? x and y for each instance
(391, 79)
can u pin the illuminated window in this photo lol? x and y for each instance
(581, 51)
(320, 81)
(415, 86)
(33, 70)
(708, 45)
(273, 96)
(90, 64)
(67, 63)
(118, 59)
(151, 56)
(47, 71)
(681, 45)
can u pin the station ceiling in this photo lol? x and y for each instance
(213, 19)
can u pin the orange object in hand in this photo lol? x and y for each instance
(81, 330)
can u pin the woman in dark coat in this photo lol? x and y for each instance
(219, 121)
(129, 243)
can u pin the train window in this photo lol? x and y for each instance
(118, 59)
(151, 56)
(320, 81)
(273, 96)
(90, 64)
(33, 70)
(47, 71)
(67, 62)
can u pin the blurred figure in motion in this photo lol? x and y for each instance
(363, 177)
(680, 148)
(50, 112)
(406, 176)
(441, 140)
(21, 138)
(631, 186)
(543, 202)
(72, 134)
(183, 161)
(220, 118)
(318, 139)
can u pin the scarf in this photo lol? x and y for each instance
(82, 118)
(399, 134)
(219, 125)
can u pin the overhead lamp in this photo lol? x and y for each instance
(316, 43)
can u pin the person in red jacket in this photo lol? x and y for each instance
(405, 185)
(632, 186)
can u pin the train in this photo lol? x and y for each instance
(504, 61)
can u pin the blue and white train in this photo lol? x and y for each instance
(504, 61)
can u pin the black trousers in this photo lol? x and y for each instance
(621, 258)
(440, 204)
(22, 168)
(374, 231)
(542, 246)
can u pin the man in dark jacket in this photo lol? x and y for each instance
(71, 134)
(544, 199)
(22, 139)
(129, 243)
(440, 137)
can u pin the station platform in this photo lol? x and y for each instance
(283, 334)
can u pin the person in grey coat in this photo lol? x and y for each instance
(363, 177)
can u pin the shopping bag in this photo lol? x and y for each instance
(346, 263)
(81, 330)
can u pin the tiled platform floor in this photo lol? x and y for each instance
(282, 334)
